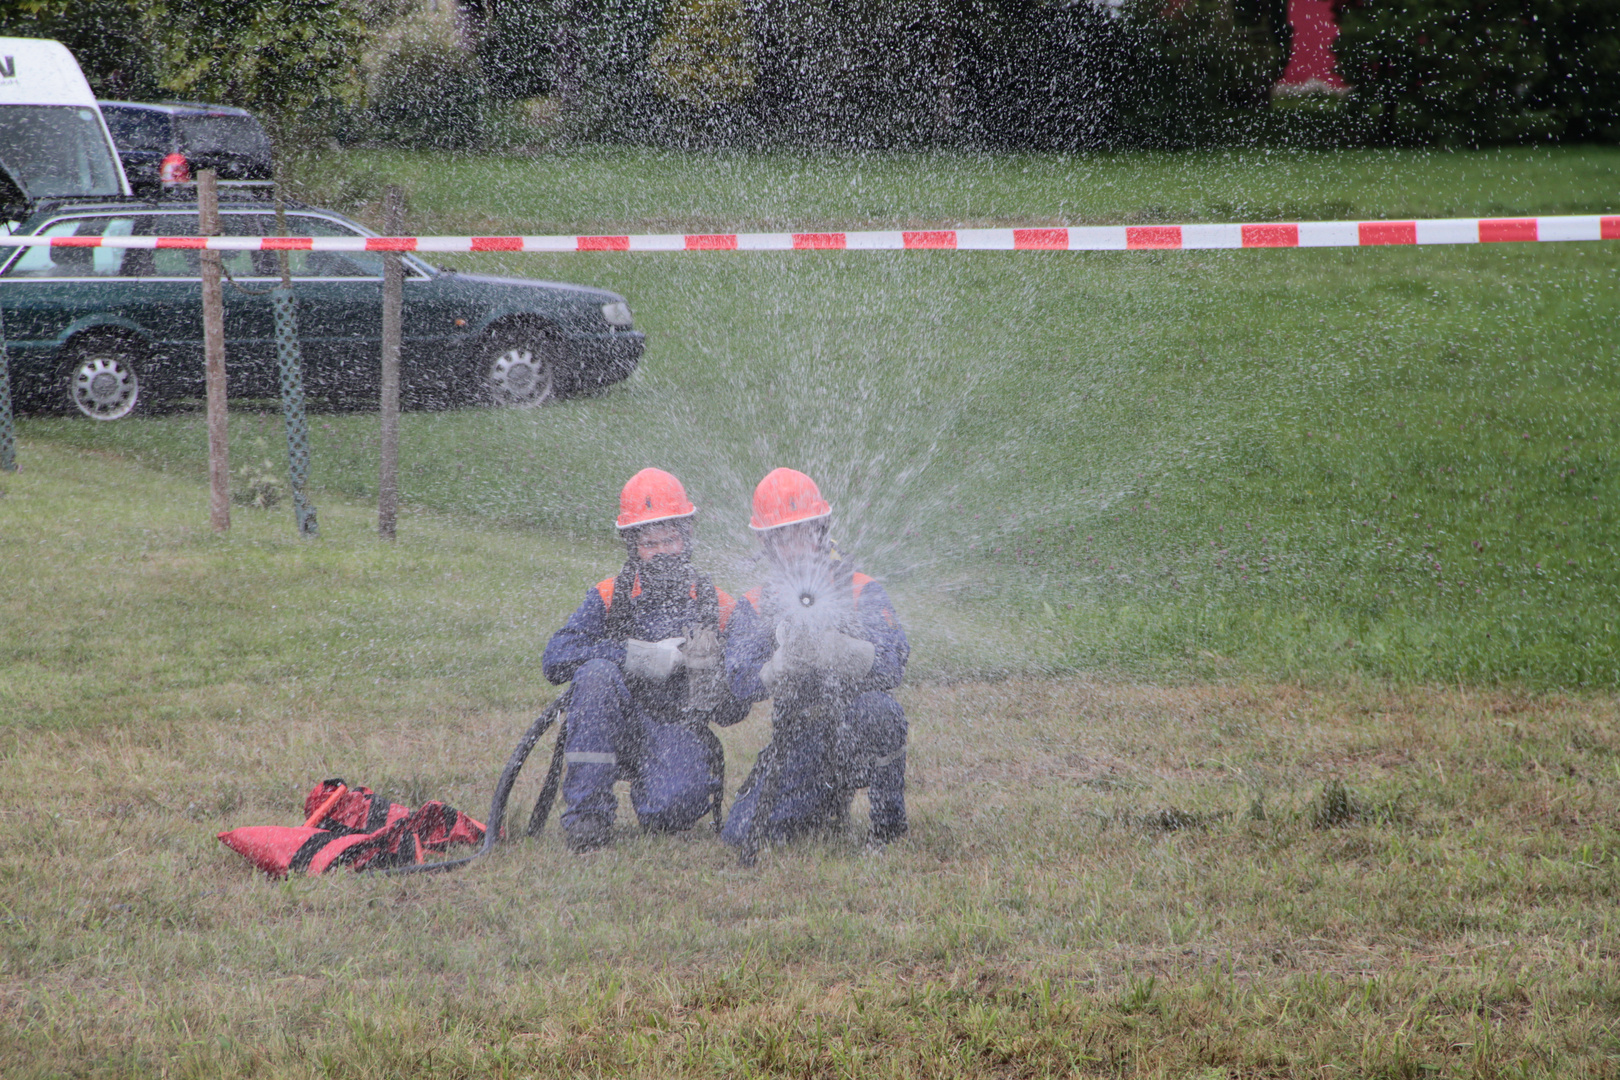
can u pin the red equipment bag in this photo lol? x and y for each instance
(352, 827)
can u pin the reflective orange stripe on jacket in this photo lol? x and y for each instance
(604, 589)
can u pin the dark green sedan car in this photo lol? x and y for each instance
(110, 331)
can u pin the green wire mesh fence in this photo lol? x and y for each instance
(290, 358)
(8, 431)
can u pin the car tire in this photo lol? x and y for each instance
(107, 378)
(516, 369)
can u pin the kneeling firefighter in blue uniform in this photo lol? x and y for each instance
(645, 653)
(823, 642)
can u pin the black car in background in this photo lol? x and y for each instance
(169, 142)
(108, 331)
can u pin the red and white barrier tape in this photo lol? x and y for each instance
(1303, 234)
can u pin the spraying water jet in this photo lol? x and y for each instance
(824, 644)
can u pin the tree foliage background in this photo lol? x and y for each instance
(1500, 71)
(291, 61)
(992, 74)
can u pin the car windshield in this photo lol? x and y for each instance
(223, 135)
(138, 129)
(57, 150)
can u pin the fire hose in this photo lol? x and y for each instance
(495, 828)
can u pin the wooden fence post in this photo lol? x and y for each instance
(393, 309)
(213, 304)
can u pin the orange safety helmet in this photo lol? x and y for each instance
(652, 495)
(786, 497)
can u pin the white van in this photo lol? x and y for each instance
(53, 140)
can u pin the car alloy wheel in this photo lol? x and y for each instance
(104, 386)
(518, 375)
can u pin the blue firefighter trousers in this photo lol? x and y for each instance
(612, 737)
(869, 751)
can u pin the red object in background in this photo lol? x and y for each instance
(174, 170)
(1312, 67)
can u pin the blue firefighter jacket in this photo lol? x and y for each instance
(584, 637)
(752, 640)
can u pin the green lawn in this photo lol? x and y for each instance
(1302, 464)
(1103, 879)
(616, 190)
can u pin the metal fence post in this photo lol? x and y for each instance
(213, 305)
(392, 317)
(291, 361)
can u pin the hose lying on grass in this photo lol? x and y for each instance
(503, 791)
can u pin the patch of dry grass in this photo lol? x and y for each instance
(1103, 878)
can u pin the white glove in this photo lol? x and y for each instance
(842, 656)
(701, 650)
(794, 655)
(801, 651)
(653, 661)
(795, 648)
(772, 672)
(706, 688)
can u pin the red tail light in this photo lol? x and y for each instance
(174, 170)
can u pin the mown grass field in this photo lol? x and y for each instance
(1213, 771)
(1104, 878)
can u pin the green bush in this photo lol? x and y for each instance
(705, 53)
(515, 48)
(425, 89)
(1496, 72)
(858, 73)
(293, 62)
(290, 61)
(1201, 75)
(1583, 67)
(105, 36)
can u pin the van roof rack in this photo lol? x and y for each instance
(222, 183)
